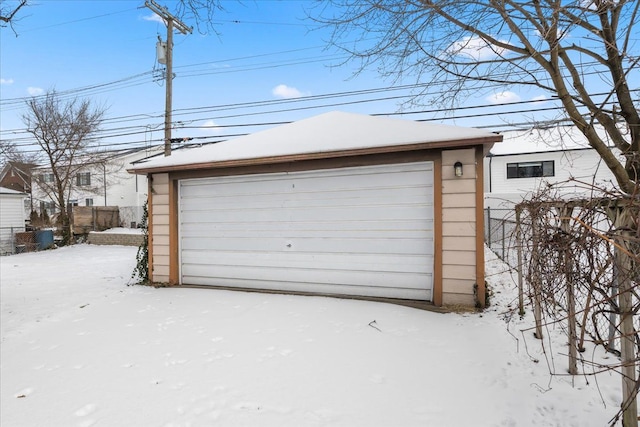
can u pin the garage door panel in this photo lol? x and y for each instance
(331, 213)
(391, 291)
(212, 228)
(383, 263)
(359, 231)
(301, 231)
(336, 245)
(313, 277)
(345, 179)
(400, 196)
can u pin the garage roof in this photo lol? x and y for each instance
(332, 134)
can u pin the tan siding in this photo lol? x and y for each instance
(458, 257)
(466, 157)
(162, 240)
(458, 214)
(458, 299)
(459, 186)
(459, 200)
(160, 230)
(459, 271)
(161, 210)
(458, 243)
(460, 286)
(162, 249)
(161, 179)
(160, 271)
(160, 220)
(459, 227)
(160, 199)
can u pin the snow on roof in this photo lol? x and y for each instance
(329, 132)
(11, 192)
(543, 140)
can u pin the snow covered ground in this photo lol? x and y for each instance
(81, 348)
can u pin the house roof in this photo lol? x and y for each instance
(20, 167)
(559, 138)
(332, 134)
(9, 192)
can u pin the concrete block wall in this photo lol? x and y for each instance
(124, 239)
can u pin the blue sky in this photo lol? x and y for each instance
(264, 52)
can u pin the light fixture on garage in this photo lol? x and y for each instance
(457, 169)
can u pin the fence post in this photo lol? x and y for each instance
(613, 303)
(627, 336)
(519, 249)
(489, 227)
(535, 262)
(565, 215)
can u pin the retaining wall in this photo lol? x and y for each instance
(115, 239)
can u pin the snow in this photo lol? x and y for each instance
(120, 230)
(82, 348)
(329, 132)
(10, 192)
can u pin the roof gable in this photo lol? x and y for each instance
(334, 132)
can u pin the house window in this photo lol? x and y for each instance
(83, 179)
(48, 207)
(88, 202)
(530, 169)
(73, 202)
(46, 178)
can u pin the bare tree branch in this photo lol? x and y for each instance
(569, 50)
(64, 131)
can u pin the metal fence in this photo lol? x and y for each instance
(499, 234)
(7, 239)
(596, 300)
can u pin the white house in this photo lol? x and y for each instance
(12, 217)
(528, 161)
(100, 184)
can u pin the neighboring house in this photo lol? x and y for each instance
(17, 176)
(528, 161)
(100, 184)
(337, 204)
(12, 217)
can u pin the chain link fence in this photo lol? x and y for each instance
(592, 271)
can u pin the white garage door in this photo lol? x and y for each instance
(364, 231)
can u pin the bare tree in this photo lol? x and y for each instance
(64, 130)
(585, 53)
(8, 11)
(10, 152)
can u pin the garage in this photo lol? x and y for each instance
(365, 231)
(338, 204)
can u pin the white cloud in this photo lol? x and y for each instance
(284, 91)
(153, 18)
(475, 48)
(6, 81)
(503, 97)
(35, 91)
(209, 127)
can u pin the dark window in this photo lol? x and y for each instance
(46, 178)
(83, 179)
(530, 169)
(88, 202)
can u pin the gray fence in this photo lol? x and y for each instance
(499, 234)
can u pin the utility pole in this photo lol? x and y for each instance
(171, 22)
